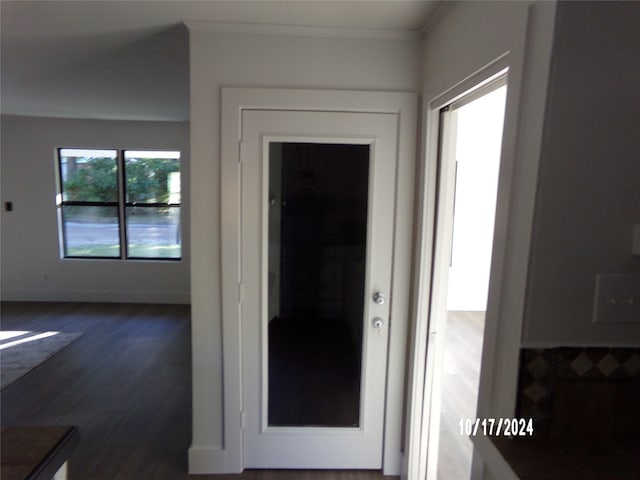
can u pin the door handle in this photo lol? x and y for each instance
(377, 323)
(378, 297)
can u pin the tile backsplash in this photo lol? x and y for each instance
(589, 393)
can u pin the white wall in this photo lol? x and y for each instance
(471, 35)
(30, 245)
(232, 59)
(589, 184)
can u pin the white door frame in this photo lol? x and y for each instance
(528, 61)
(481, 84)
(333, 447)
(234, 101)
(434, 240)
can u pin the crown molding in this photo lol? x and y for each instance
(436, 15)
(300, 30)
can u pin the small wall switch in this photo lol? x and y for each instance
(636, 239)
(8, 206)
(617, 298)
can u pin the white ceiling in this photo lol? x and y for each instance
(129, 59)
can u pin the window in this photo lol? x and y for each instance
(119, 204)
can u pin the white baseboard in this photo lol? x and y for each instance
(112, 296)
(492, 458)
(210, 460)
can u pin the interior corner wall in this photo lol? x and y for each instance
(32, 269)
(466, 39)
(589, 184)
(254, 60)
(470, 37)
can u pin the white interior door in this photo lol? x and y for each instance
(317, 203)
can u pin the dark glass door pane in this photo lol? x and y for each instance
(318, 197)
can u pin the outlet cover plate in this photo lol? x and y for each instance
(617, 298)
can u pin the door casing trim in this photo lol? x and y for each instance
(527, 54)
(229, 458)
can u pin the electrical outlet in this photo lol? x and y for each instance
(617, 298)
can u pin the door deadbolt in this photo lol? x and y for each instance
(378, 297)
(377, 322)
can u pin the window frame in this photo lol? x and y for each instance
(121, 205)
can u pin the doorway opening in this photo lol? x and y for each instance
(470, 146)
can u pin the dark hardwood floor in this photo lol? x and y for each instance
(126, 382)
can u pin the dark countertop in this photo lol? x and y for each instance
(545, 459)
(35, 453)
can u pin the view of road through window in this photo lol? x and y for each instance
(120, 203)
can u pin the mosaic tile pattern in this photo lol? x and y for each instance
(543, 370)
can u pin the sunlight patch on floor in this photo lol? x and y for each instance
(13, 334)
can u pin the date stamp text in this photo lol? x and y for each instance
(507, 427)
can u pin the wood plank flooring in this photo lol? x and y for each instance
(462, 356)
(127, 384)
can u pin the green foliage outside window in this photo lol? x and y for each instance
(93, 180)
(96, 179)
(148, 179)
(93, 216)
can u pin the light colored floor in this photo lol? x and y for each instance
(462, 355)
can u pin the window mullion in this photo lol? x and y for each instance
(94, 222)
(121, 205)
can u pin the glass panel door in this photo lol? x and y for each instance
(317, 223)
(315, 265)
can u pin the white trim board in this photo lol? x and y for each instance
(300, 30)
(494, 460)
(436, 15)
(97, 296)
(527, 54)
(228, 458)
